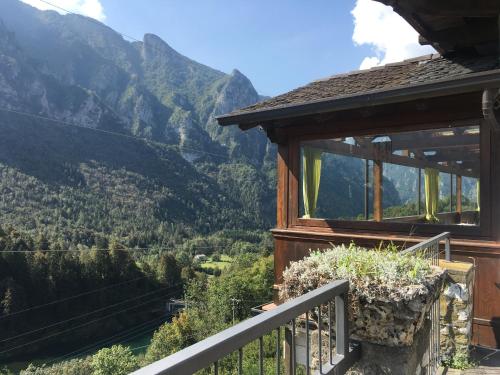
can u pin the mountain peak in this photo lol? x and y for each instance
(155, 42)
(237, 76)
(236, 73)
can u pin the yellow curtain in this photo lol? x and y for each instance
(311, 167)
(431, 182)
(478, 195)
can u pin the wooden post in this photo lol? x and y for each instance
(419, 188)
(451, 192)
(282, 188)
(459, 194)
(367, 196)
(377, 190)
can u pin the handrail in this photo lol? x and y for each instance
(207, 352)
(429, 249)
(445, 236)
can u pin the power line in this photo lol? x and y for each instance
(108, 132)
(129, 249)
(119, 336)
(82, 325)
(66, 123)
(86, 314)
(88, 18)
(72, 297)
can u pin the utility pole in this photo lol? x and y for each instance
(234, 302)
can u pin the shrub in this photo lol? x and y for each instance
(80, 366)
(373, 273)
(389, 293)
(117, 360)
(170, 338)
(460, 361)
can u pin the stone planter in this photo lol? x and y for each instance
(392, 317)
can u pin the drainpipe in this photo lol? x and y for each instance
(491, 97)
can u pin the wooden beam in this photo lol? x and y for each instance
(427, 142)
(449, 8)
(371, 153)
(455, 155)
(377, 190)
(468, 35)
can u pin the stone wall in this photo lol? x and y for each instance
(456, 308)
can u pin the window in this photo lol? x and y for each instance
(426, 176)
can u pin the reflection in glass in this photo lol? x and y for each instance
(426, 176)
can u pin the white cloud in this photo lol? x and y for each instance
(90, 8)
(390, 36)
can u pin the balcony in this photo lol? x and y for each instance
(334, 355)
(311, 334)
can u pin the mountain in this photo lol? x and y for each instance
(133, 119)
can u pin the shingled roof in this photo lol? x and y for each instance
(410, 73)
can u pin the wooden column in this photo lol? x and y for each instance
(459, 194)
(377, 190)
(367, 195)
(282, 188)
(451, 192)
(419, 189)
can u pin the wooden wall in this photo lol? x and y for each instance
(294, 237)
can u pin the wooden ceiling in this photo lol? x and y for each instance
(454, 150)
(453, 26)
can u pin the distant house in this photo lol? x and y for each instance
(398, 153)
(200, 258)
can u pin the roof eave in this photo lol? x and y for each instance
(458, 85)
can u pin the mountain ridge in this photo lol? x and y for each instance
(60, 70)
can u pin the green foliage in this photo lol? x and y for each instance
(5, 371)
(170, 338)
(117, 360)
(81, 366)
(168, 271)
(368, 271)
(461, 361)
(209, 309)
(109, 281)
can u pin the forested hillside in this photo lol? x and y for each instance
(71, 86)
(113, 176)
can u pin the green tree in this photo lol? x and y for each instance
(117, 360)
(168, 272)
(216, 257)
(170, 338)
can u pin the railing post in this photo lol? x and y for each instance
(341, 325)
(447, 251)
(288, 351)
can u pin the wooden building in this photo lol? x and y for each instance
(400, 152)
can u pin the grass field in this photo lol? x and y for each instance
(225, 261)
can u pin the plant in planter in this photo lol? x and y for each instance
(389, 294)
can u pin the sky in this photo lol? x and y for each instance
(279, 44)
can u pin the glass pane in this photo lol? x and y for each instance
(426, 176)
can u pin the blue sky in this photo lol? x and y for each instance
(278, 44)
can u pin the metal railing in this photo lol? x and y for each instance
(431, 249)
(331, 359)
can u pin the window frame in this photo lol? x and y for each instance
(483, 230)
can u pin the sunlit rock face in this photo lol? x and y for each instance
(456, 309)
